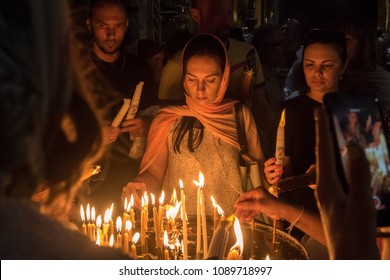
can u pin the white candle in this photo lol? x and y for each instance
(198, 226)
(142, 223)
(135, 102)
(122, 112)
(204, 224)
(184, 220)
(279, 151)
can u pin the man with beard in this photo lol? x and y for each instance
(120, 72)
(246, 75)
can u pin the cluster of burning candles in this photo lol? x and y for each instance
(170, 242)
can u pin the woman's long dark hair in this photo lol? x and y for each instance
(200, 45)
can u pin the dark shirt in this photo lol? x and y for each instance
(121, 77)
(300, 147)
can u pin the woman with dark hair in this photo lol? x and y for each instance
(323, 62)
(199, 136)
(50, 134)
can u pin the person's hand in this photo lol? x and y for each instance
(252, 203)
(273, 172)
(110, 134)
(349, 221)
(137, 189)
(137, 127)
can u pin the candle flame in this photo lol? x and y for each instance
(215, 205)
(135, 237)
(172, 211)
(128, 225)
(153, 199)
(282, 121)
(240, 242)
(267, 257)
(146, 199)
(174, 196)
(111, 210)
(165, 238)
(82, 214)
(200, 183)
(131, 200)
(93, 214)
(99, 221)
(181, 184)
(107, 216)
(125, 204)
(111, 242)
(88, 213)
(142, 202)
(119, 224)
(201, 179)
(162, 197)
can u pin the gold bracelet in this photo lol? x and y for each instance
(292, 225)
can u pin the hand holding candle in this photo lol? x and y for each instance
(122, 112)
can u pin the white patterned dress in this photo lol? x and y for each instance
(218, 162)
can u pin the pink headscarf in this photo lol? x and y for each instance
(217, 117)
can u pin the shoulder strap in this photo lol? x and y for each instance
(241, 129)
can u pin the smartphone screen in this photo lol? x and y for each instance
(358, 118)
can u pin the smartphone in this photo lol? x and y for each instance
(357, 117)
(296, 182)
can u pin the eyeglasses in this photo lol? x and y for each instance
(324, 36)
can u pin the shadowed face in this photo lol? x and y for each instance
(203, 78)
(323, 67)
(108, 26)
(215, 17)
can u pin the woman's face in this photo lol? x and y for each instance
(323, 67)
(203, 78)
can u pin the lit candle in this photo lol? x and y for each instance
(184, 220)
(146, 206)
(161, 210)
(98, 233)
(155, 222)
(203, 212)
(235, 252)
(88, 214)
(99, 230)
(215, 213)
(93, 225)
(128, 227)
(198, 221)
(133, 246)
(142, 225)
(119, 230)
(131, 210)
(166, 253)
(106, 227)
(111, 222)
(125, 215)
(83, 226)
(111, 242)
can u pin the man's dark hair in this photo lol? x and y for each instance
(96, 4)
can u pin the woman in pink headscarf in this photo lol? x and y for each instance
(199, 136)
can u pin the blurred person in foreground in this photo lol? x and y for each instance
(346, 223)
(50, 134)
